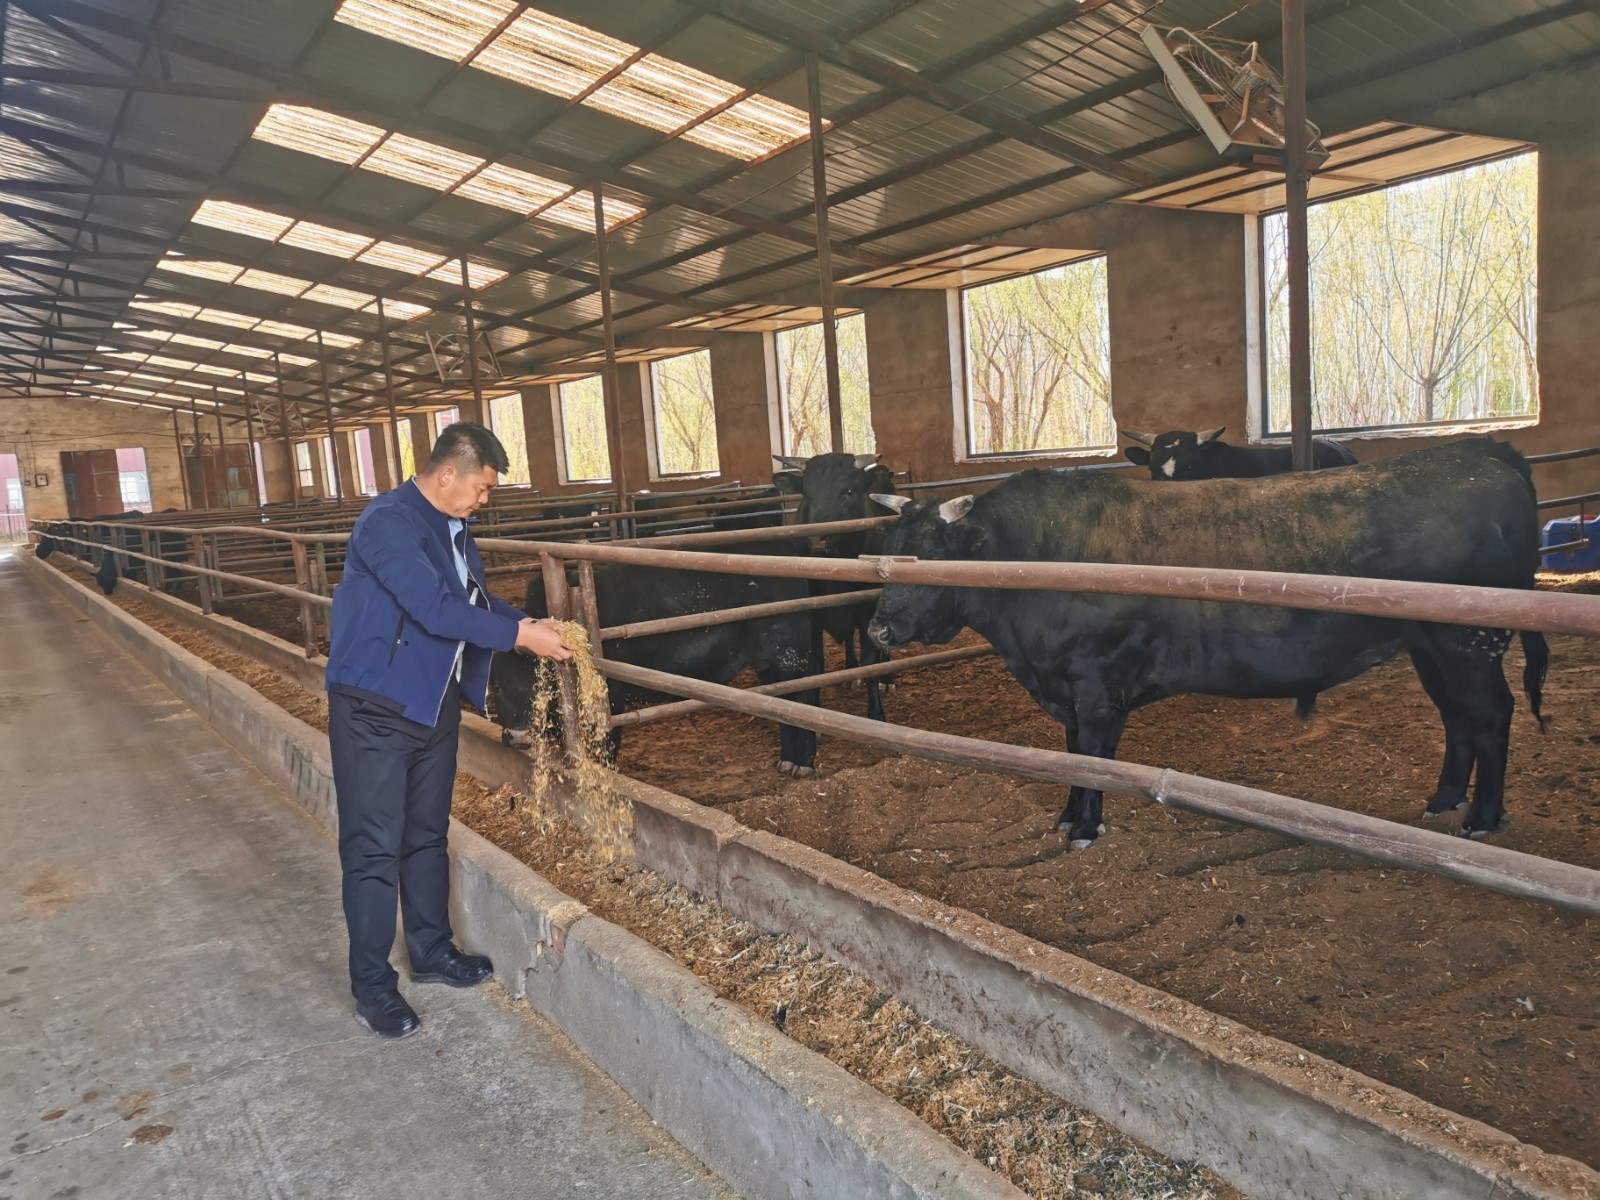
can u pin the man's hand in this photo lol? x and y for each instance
(542, 638)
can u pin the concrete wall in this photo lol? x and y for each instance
(37, 431)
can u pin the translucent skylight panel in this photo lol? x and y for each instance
(542, 51)
(325, 293)
(271, 281)
(240, 218)
(452, 31)
(430, 165)
(401, 258)
(316, 132)
(545, 52)
(417, 161)
(324, 239)
(221, 272)
(305, 333)
(403, 309)
(188, 339)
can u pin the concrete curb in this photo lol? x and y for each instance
(1293, 1125)
(770, 1117)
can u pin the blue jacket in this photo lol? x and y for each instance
(400, 610)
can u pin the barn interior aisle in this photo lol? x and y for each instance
(170, 954)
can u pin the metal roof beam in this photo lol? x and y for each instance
(881, 70)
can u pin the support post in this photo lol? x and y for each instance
(1299, 267)
(302, 580)
(222, 451)
(472, 343)
(608, 373)
(183, 468)
(819, 200)
(250, 439)
(197, 547)
(388, 390)
(589, 606)
(283, 426)
(327, 406)
(556, 600)
(199, 466)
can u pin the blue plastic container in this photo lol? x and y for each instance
(1571, 529)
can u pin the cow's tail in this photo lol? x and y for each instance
(1305, 707)
(1536, 664)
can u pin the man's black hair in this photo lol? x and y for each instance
(469, 448)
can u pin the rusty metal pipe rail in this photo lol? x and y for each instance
(728, 616)
(1561, 455)
(1562, 501)
(1509, 872)
(898, 666)
(1394, 599)
(227, 577)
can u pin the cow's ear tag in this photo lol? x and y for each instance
(952, 511)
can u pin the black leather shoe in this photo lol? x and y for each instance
(388, 1016)
(455, 968)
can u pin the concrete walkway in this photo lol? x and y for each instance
(174, 1021)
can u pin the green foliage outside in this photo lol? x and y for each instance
(1039, 362)
(583, 421)
(686, 418)
(1423, 298)
(803, 378)
(505, 418)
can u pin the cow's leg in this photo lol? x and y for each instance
(1096, 730)
(871, 655)
(797, 747)
(1459, 750)
(1470, 661)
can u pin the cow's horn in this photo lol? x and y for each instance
(1210, 435)
(1144, 439)
(794, 464)
(952, 511)
(866, 461)
(894, 502)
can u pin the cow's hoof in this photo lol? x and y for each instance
(1082, 843)
(785, 767)
(804, 772)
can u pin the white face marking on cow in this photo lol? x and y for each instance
(1169, 468)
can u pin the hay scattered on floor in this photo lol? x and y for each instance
(1041, 1144)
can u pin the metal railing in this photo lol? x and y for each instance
(1509, 872)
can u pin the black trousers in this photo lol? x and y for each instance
(393, 779)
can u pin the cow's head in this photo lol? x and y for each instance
(936, 532)
(1178, 454)
(833, 487)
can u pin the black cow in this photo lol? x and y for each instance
(172, 547)
(713, 517)
(1180, 454)
(839, 487)
(50, 543)
(1460, 514)
(777, 648)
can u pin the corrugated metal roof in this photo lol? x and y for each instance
(910, 174)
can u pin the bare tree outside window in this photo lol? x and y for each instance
(803, 383)
(1039, 362)
(1423, 298)
(583, 428)
(505, 418)
(685, 416)
(408, 453)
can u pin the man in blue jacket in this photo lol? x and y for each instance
(414, 628)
